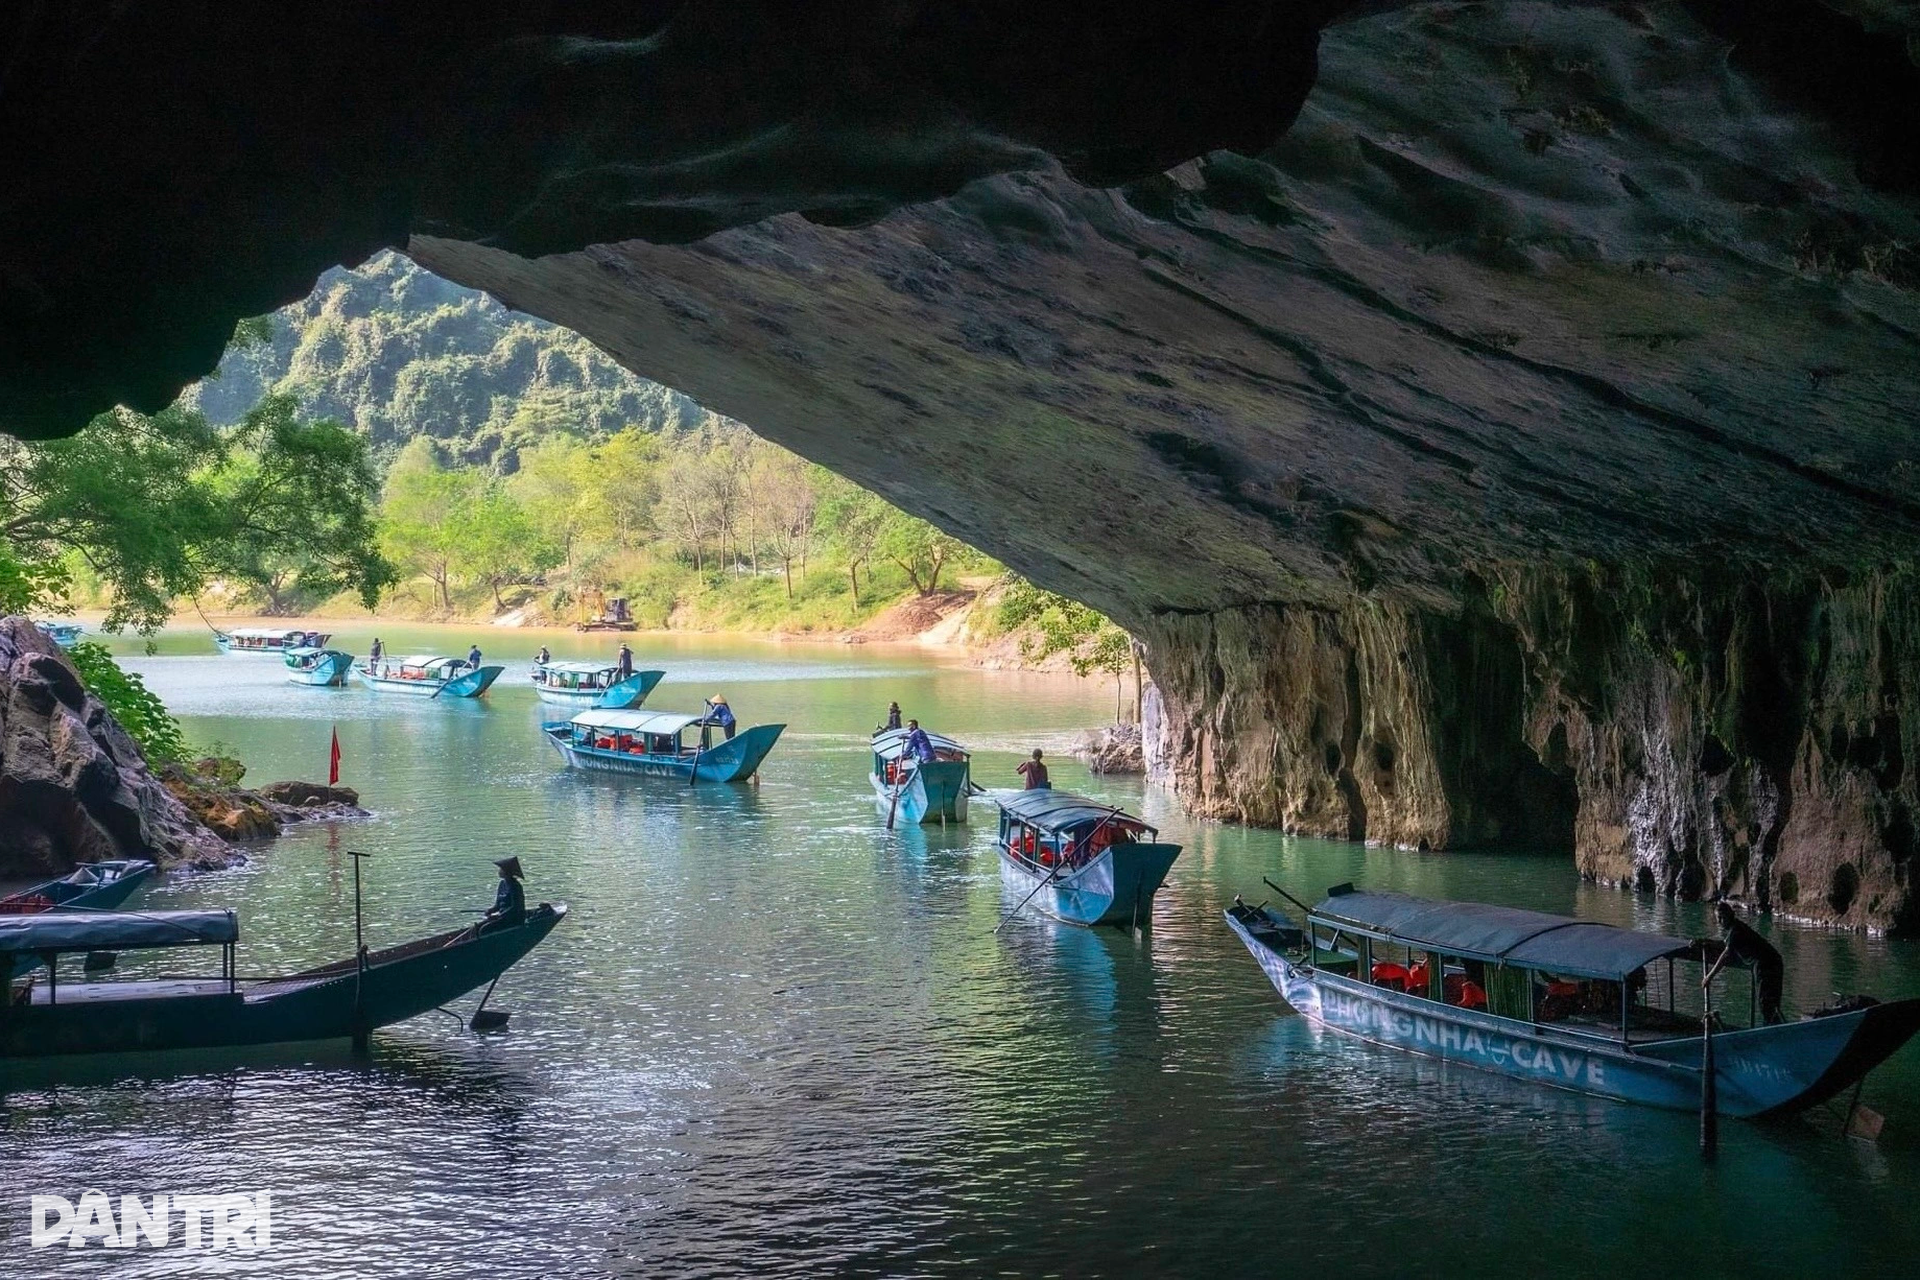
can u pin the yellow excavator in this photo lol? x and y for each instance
(599, 612)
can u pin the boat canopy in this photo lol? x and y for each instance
(1505, 935)
(579, 668)
(891, 744)
(427, 661)
(306, 652)
(634, 721)
(115, 930)
(1061, 811)
(267, 633)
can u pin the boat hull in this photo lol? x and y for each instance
(1758, 1070)
(932, 792)
(731, 760)
(320, 1005)
(1115, 888)
(330, 672)
(61, 895)
(630, 692)
(471, 685)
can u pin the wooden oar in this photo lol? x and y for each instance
(895, 804)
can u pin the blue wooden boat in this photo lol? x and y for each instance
(591, 684)
(274, 641)
(427, 676)
(336, 1001)
(64, 634)
(91, 886)
(1079, 860)
(650, 742)
(325, 668)
(911, 790)
(1555, 1000)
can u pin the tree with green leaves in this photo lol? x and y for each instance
(921, 550)
(419, 514)
(493, 541)
(154, 505)
(1060, 624)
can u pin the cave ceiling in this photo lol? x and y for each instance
(1177, 308)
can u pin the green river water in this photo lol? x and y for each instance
(772, 1038)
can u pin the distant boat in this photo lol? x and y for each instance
(91, 886)
(1554, 1000)
(911, 790)
(334, 1001)
(325, 667)
(64, 634)
(271, 640)
(591, 684)
(1079, 860)
(427, 676)
(650, 742)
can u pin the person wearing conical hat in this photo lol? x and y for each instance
(509, 900)
(718, 712)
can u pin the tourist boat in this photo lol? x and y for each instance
(1555, 1000)
(91, 886)
(328, 668)
(271, 640)
(1079, 860)
(336, 1001)
(427, 676)
(650, 742)
(591, 684)
(64, 634)
(911, 790)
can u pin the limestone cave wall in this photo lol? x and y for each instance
(1746, 735)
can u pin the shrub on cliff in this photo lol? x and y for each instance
(137, 708)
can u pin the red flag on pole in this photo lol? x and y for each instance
(333, 761)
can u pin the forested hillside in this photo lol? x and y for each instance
(397, 352)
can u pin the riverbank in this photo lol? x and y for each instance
(955, 625)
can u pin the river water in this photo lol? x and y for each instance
(773, 1038)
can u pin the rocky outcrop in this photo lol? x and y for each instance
(73, 785)
(211, 792)
(1114, 749)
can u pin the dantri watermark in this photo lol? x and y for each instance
(234, 1221)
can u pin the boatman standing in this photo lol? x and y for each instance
(543, 657)
(473, 657)
(1034, 772)
(624, 667)
(718, 712)
(919, 746)
(373, 654)
(893, 715)
(509, 900)
(1747, 947)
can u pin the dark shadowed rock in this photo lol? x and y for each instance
(73, 786)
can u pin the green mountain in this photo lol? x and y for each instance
(398, 352)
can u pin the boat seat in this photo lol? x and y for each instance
(1391, 976)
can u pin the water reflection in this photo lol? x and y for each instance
(775, 1036)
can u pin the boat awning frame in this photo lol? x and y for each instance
(620, 721)
(1059, 811)
(60, 931)
(1501, 935)
(891, 744)
(573, 668)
